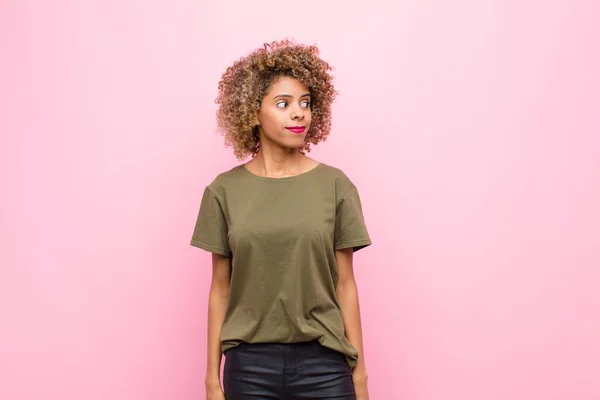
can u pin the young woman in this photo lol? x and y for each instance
(282, 229)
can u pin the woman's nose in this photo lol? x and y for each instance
(297, 113)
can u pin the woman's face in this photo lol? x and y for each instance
(284, 115)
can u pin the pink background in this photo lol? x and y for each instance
(470, 127)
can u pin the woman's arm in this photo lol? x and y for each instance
(347, 294)
(217, 305)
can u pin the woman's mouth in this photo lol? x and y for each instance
(296, 129)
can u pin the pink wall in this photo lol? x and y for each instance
(475, 129)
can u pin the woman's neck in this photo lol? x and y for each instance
(277, 165)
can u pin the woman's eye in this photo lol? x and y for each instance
(281, 104)
(306, 104)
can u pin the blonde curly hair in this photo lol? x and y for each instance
(247, 81)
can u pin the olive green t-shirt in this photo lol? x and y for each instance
(281, 235)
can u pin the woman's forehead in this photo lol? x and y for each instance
(290, 86)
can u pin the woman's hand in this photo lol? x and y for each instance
(360, 385)
(214, 391)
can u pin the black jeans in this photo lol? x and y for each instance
(277, 371)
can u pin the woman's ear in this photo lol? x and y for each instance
(255, 120)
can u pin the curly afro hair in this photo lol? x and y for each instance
(247, 81)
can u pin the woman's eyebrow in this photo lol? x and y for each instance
(289, 96)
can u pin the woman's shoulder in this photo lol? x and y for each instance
(339, 178)
(334, 171)
(226, 178)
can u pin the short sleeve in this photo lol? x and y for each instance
(350, 227)
(210, 233)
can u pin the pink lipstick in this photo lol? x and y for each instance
(296, 129)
